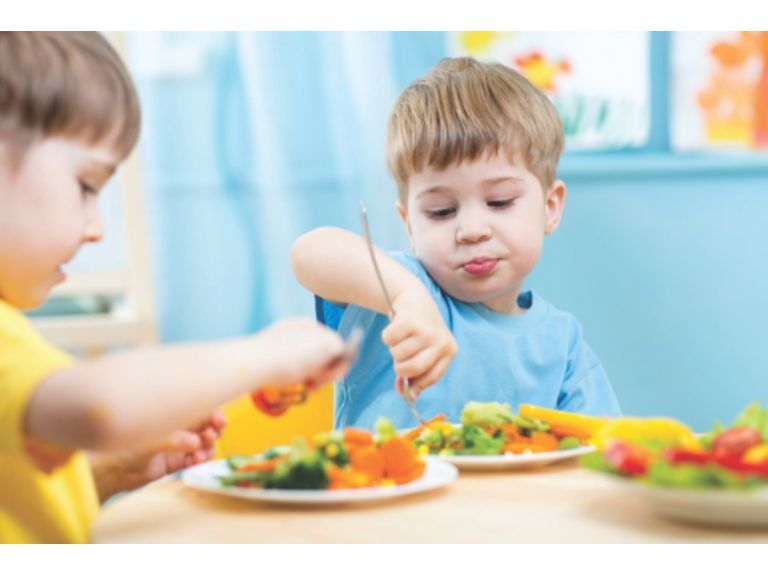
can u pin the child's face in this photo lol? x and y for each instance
(49, 209)
(478, 228)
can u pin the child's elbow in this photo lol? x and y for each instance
(304, 253)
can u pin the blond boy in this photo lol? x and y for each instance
(474, 149)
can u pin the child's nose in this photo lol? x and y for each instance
(472, 228)
(94, 227)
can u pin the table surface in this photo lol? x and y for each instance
(558, 504)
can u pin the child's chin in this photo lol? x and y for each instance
(32, 300)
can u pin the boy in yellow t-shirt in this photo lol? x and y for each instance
(69, 115)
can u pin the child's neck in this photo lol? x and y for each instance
(506, 304)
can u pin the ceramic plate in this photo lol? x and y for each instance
(715, 507)
(206, 477)
(514, 461)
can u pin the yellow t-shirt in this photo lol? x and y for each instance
(35, 506)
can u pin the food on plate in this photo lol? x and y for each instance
(491, 428)
(349, 458)
(665, 452)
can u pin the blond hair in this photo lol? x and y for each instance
(463, 109)
(65, 84)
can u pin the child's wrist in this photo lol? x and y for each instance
(413, 292)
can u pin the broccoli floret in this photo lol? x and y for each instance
(302, 471)
(477, 441)
(485, 414)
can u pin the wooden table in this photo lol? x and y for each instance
(559, 504)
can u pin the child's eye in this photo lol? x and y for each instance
(441, 213)
(501, 203)
(86, 188)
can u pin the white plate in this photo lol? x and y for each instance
(514, 461)
(206, 477)
(716, 507)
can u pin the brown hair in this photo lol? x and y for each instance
(463, 109)
(65, 84)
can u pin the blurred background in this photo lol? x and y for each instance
(250, 139)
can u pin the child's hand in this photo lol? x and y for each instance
(421, 344)
(301, 351)
(118, 472)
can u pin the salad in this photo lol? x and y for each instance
(664, 452)
(349, 458)
(491, 428)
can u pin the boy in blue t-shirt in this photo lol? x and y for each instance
(474, 149)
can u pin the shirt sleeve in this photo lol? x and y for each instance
(330, 314)
(586, 388)
(25, 360)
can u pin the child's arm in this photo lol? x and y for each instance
(135, 398)
(335, 264)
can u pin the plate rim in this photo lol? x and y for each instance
(425, 483)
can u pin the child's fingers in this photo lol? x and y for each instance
(180, 441)
(413, 391)
(396, 331)
(437, 371)
(408, 348)
(218, 420)
(419, 364)
(209, 437)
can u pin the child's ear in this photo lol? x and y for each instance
(554, 205)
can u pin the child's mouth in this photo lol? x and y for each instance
(480, 266)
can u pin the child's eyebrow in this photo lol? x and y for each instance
(494, 181)
(105, 168)
(433, 190)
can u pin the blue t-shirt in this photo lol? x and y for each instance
(537, 357)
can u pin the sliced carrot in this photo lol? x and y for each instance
(358, 437)
(416, 432)
(512, 433)
(271, 394)
(341, 478)
(261, 465)
(517, 447)
(562, 431)
(369, 461)
(415, 472)
(544, 440)
(400, 457)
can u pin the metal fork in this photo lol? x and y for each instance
(366, 231)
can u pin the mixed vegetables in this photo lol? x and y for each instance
(492, 429)
(350, 458)
(664, 452)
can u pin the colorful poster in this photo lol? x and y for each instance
(598, 81)
(719, 90)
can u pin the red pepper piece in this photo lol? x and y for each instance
(736, 441)
(628, 459)
(683, 456)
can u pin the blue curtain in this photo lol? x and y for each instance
(251, 139)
